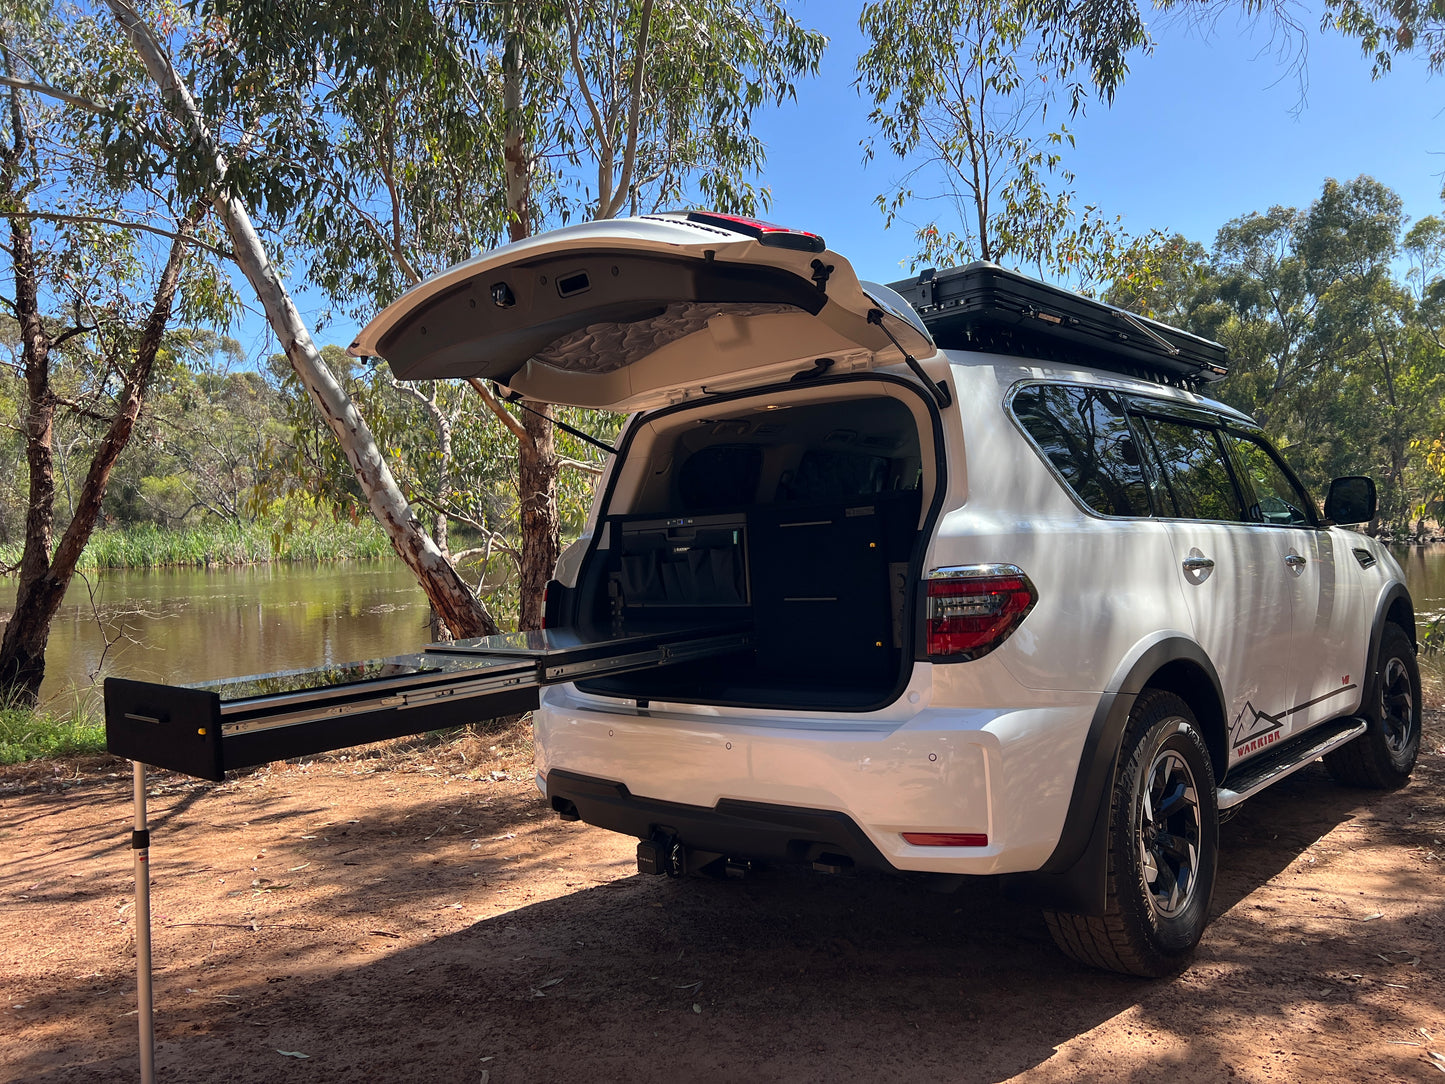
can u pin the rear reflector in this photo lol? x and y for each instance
(946, 839)
(766, 233)
(974, 608)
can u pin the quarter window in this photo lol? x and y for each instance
(1083, 432)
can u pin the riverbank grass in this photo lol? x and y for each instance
(227, 544)
(29, 735)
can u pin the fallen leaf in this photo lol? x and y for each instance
(292, 1054)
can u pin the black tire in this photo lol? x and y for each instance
(1383, 757)
(1163, 848)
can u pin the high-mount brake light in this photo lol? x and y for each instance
(974, 608)
(766, 233)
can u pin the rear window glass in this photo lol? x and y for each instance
(720, 476)
(1084, 434)
(824, 475)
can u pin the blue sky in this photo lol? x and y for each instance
(1204, 129)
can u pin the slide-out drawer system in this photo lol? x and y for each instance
(208, 729)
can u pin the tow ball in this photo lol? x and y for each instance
(662, 854)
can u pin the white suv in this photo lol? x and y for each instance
(1008, 609)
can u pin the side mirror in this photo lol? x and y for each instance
(1351, 500)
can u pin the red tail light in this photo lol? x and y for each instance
(766, 233)
(974, 608)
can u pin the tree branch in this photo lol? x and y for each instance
(490, 535)
(578, 464)
(80, 410)
(517, 428)
(100, 220)
(71, 332)
(54, 92)
(629, 154)
(574, 32)
(398, 249)
(129, 401)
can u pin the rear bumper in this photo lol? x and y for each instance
(745, 829)
(791, 786)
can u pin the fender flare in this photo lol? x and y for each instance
(1073, 878)
(1391, 595)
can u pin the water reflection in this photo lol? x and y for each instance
(188, 625)
(192, 625)
(1425, 574)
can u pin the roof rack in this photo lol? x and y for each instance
(985, 307)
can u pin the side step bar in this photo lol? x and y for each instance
(1256, 774)
(209, 729)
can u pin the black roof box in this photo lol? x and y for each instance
(986, 307)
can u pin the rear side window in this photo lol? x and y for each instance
(1083, 432)
(1195, 480)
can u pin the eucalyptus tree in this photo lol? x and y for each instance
(1349, 241)
(968, 95)
(1336, 353)
(450, 128)
(98, 266)
(229, 131)
(1267, 283)
(1424, 246)
(208, 436)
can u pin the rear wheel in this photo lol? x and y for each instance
(1163, 845)
(1384, 755)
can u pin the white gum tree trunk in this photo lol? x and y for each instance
(453, 600)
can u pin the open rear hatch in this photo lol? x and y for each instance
(641, 312)
(619, 315)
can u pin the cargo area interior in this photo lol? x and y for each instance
(800, 519)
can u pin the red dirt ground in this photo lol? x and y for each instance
(424, 916)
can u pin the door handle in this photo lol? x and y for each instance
(1295, 561)
(1198, 564)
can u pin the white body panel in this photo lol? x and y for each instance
(994, 745)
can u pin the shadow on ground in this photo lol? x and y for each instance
(784, 976)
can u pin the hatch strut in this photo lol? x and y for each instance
(516, 397)
(939, 391)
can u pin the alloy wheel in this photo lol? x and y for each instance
(1169, 833)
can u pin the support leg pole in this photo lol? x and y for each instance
(140, 845)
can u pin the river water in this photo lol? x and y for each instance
(188, 625)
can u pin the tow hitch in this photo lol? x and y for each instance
(662, 854)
